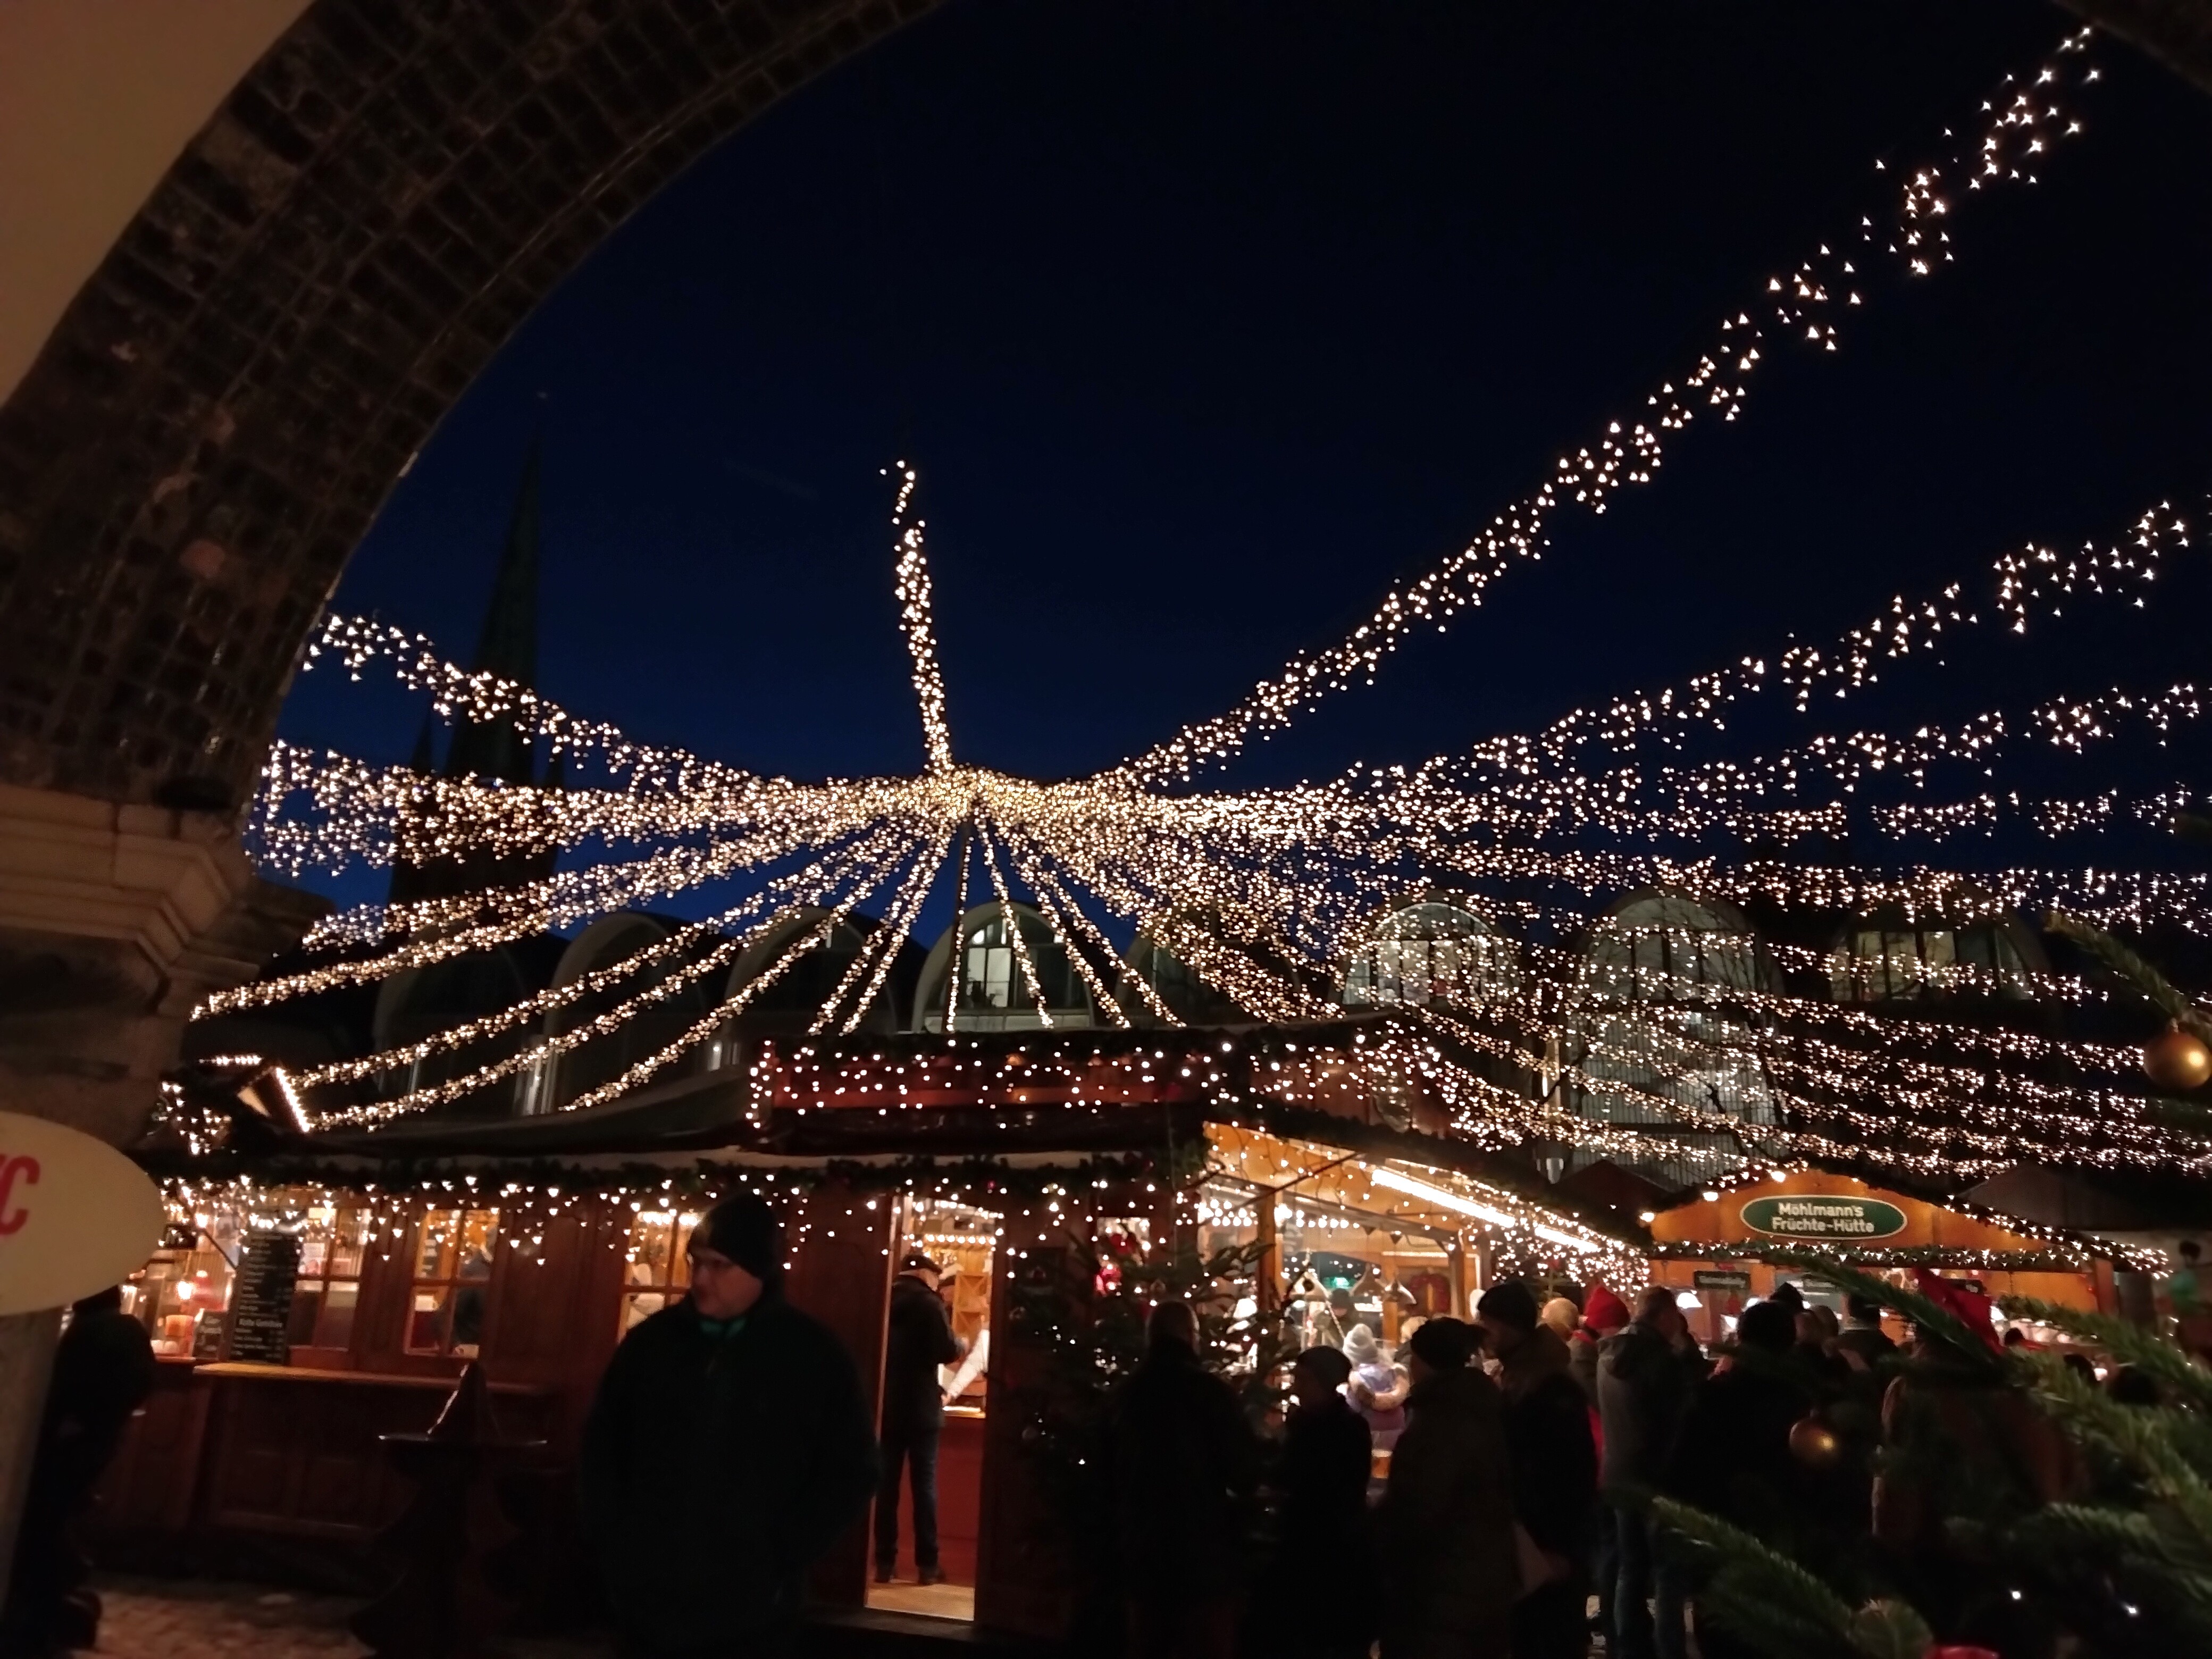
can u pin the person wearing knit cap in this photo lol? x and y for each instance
(728, 1445)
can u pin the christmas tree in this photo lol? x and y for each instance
(2060, 1516)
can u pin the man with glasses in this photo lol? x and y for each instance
(729, 1444)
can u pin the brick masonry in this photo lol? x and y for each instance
(224, 407)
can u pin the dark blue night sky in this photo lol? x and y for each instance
(1206, 319)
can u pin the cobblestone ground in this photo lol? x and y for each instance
(212, 1619)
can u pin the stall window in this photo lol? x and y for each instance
(452, 1277)
(659, 1272)
(332, 1245)
(180, 1294)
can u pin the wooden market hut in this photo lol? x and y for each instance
(1737, 1241)
(531, 1244)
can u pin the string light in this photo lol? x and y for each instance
(1265, 897)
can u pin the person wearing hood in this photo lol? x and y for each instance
(1450, 1568)
(729, 1444)
(1554, 1468)
(1377, 1389)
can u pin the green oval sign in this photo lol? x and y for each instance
(1820, 1215)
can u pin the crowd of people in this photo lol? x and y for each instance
(1514, 1518)
(730, 1442)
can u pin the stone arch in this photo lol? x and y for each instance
(208, 432)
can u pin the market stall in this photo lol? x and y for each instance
(316, 1293)
(1736, 1242)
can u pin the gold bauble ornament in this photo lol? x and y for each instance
(2178, 1060)
(1814, 1443)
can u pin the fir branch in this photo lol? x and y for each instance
(1760, 1592)
(2141, 1437)
(1890, 1629)
(2123, 1339)
(1933, 1321)
(2155, 988)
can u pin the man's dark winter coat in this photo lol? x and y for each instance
(716, 1466)
(1547, 1432)
(1322, 1527)
(920, 1338)
(1733, 1457)
(1644, 1385)
(1449, 1571)
(1184, 1462)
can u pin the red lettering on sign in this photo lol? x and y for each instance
(12, 1220)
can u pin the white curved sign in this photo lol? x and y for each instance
(75, 1215)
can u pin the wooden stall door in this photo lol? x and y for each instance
(841, 1273)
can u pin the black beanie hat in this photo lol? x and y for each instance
(1445, 1344)
(1509, 1304)
(746, 1231)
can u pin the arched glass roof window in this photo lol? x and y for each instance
(416, 1003)
(1658, 1036)
(990, 993)
(1175, 985)
(1887, 960)
(1433, 950)
(565, 1076)
(1661, 947)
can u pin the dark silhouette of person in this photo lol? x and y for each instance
(728, 1445)
(919, 1339)
(1733, 1459)
(1862, 1334)
(1555, 1470)
(1321, 1525)
(1645, 1376)
(1449, 1570)
(1185, 1462)
(103, 1369)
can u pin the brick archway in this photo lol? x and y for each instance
(223, 408)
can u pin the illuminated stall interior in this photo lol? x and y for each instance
(1405, 1240)
(962, 1240)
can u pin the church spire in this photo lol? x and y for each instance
(508, 647)
(493, 750)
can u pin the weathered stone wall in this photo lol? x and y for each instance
(209, 430)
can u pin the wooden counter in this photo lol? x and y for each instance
(239, 1448)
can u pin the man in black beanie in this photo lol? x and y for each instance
(729, 1444)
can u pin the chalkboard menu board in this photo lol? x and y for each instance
(261, 1297)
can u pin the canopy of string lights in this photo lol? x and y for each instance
(1560, 913)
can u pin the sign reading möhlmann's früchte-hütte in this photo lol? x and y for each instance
(1823, 1215)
